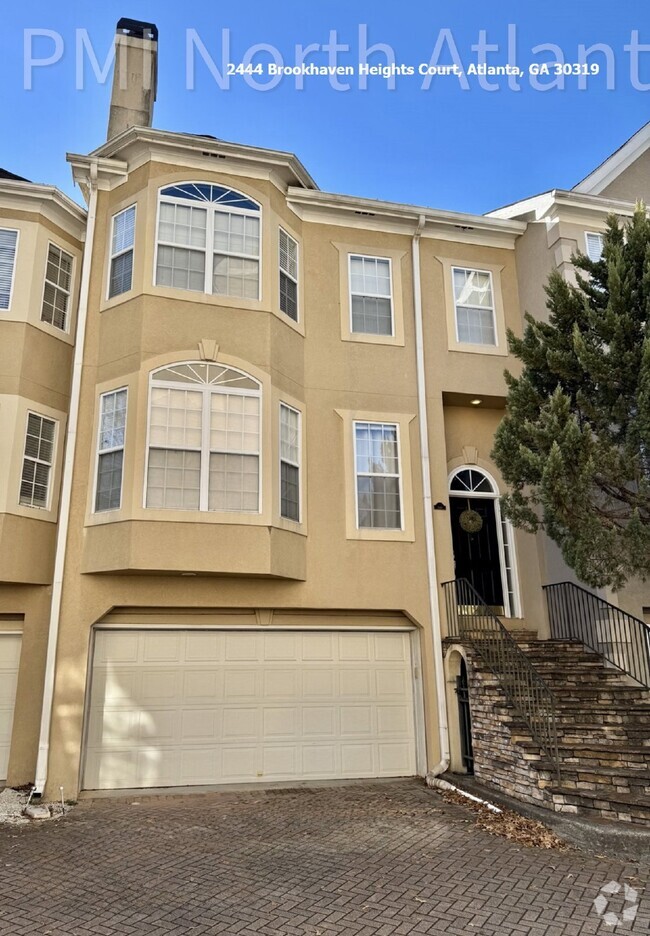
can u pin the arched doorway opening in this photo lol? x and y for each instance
(482, 540)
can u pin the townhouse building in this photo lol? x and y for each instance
(246, 437)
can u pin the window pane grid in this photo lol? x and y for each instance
(56, 294)
(289, 463)
(214, 248)
(122, 241)
(204, 441)
(37, 461)
(371, 295)
(377, 476)
(8, 242)
(474, 303)
(110, 457)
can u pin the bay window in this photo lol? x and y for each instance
(209, 241)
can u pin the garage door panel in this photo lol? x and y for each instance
(163, 646)
(319, 683)
(204, 648)
(355, 683)
(241, 684)
(203, 684)
(319, 721)
(204, 724)
(254, 706)
(242, 647)
(281, 683)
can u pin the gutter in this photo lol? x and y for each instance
(66, 492)
(432, 578)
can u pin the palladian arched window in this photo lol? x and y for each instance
(208, 240)
(204, 439)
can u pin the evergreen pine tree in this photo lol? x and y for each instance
(574, 446)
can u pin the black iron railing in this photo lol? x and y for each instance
(619, 638)
(471, 620)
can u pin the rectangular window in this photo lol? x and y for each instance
(8, 244)
(289, 463)
(288, 275)
(371, 300)
(236, 265)
(58, 282)
(37, 461)
(594, 246)
(378, 482)
(474, 303)
(193, 469)
(182, 237)
(122, 241)
(110, 450)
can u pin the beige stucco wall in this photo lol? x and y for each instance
(633, 184)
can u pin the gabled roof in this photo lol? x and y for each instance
(5, 174)
(614, 165)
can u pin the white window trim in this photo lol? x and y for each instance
(598, 234)
(68, 311)
(297, 464)
(112, 256)
(492, 308)
(207, 391)
(209, 242)
(50, 477)
(510, 612)
(108, 451)
(296, 321)
(15, 231)
(388, 260)
(375, 422)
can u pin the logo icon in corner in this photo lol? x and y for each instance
(630, 899)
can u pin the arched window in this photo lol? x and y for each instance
(208, 240)
(471, 481)
(204, 439)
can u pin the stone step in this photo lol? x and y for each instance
(627, 807)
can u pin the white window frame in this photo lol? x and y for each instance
(108, 451)
(210, 208)
(470, 344)
(15, 231)
(66, 330)
(204, 484)
(357, 474)
(51, 465)
(113, 256)
(388, 260)
(297, 464)
(601, 237)
(295, 280)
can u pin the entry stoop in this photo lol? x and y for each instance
(603, 728)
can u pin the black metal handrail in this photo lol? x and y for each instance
(620, 638)
(471, 620)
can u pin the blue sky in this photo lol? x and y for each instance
(443, 147)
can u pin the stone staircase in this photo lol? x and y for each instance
(603, 723)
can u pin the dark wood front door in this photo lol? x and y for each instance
(476, 555)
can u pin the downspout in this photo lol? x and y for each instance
(432, 579)
(66, 491)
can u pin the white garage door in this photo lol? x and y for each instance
(9, 660)
(186, 707)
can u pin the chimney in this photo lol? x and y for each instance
(135, 76)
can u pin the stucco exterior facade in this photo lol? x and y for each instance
(138, 566)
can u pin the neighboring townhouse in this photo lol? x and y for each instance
(283, 406)
(41, 243)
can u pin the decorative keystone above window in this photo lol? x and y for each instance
(209, 240)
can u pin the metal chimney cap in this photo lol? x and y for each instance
(137, 29)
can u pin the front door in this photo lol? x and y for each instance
(476, 551)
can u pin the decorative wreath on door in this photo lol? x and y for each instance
(470, 521)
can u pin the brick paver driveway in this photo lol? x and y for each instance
(368, 860)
